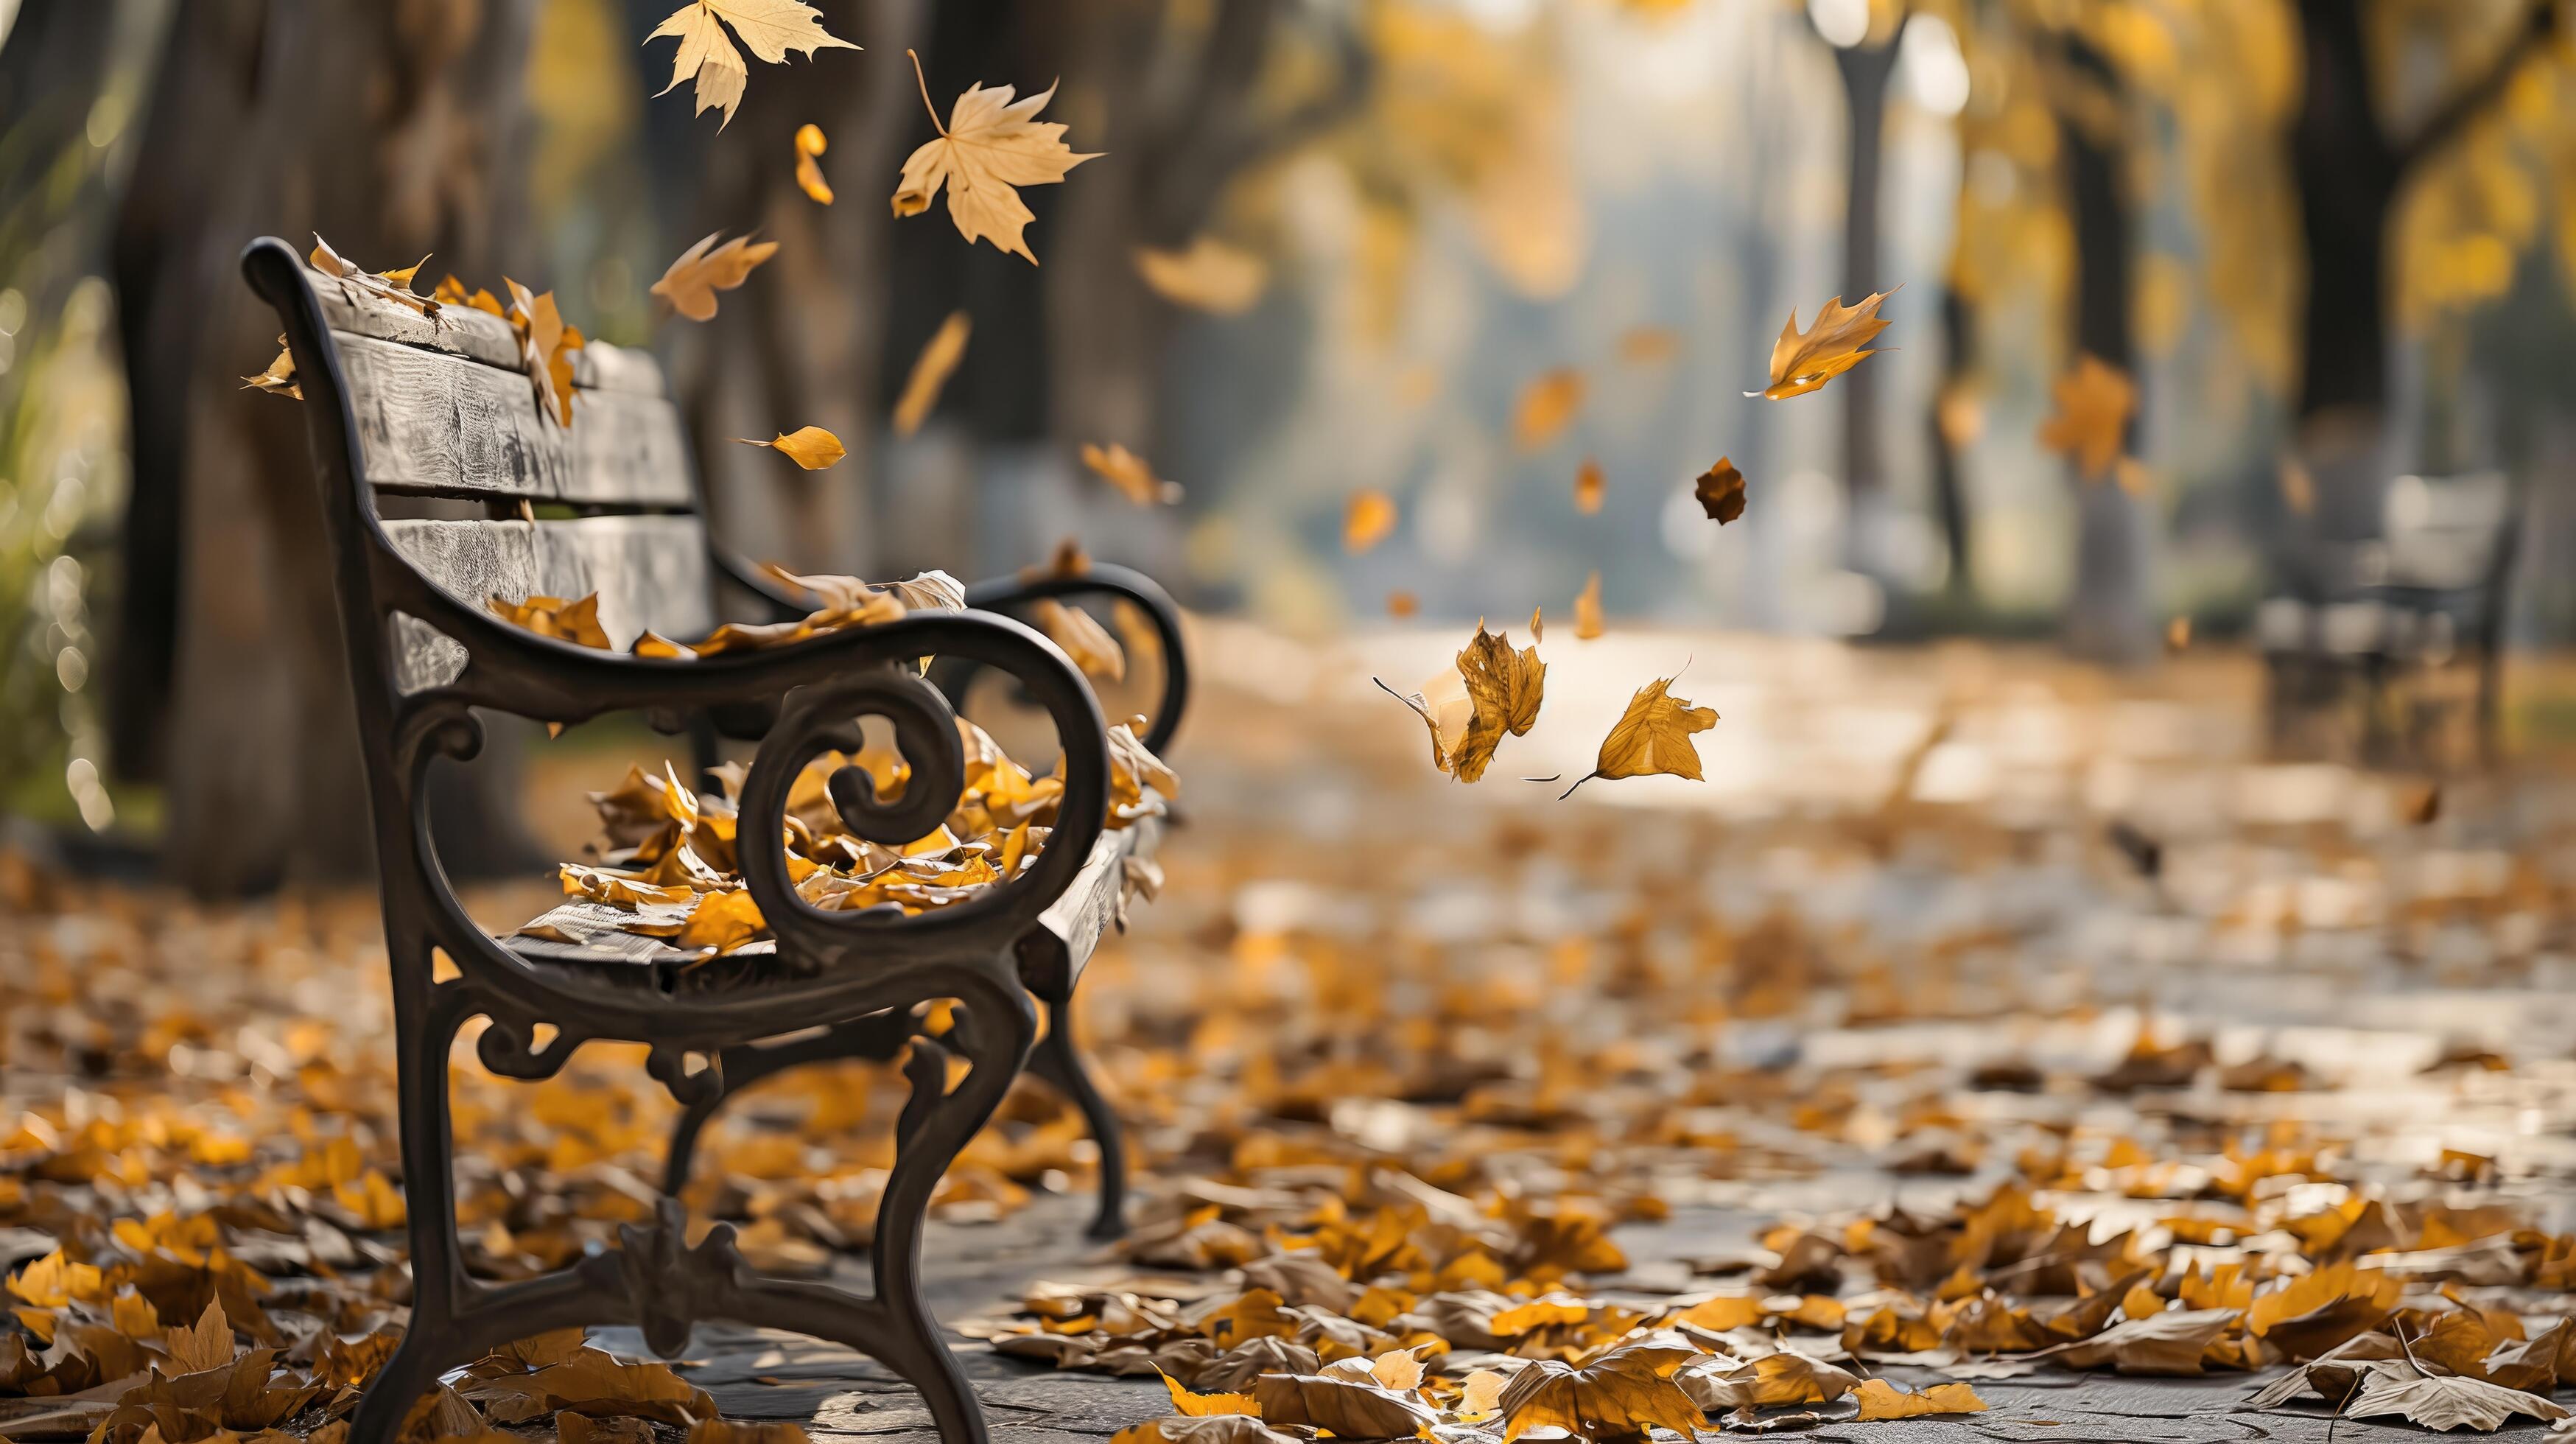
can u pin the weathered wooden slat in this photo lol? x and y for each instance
(1053, 954)
(479, 336)
(445, 426)
(649, 571)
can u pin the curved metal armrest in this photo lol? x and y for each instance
(733, 566)
(1014, 595)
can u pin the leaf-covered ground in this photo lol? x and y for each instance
(1975, 1022)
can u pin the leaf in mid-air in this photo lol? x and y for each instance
(1368, 520)
(2093, 405)
(1653, 737)
(1587, 610)
(1720, 490)
(809, 173)
(691, 283)
(1547, 405)
(1127, 471)
(1803, 361)
(1207, 275)
(771, 28)
(989, 146)
(810, 447)
(1588, 485)
(930, 372)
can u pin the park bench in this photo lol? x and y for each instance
(398, 403)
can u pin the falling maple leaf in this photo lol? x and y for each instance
(809, 175)
(2091, 425)
(1881, 1400)
(1547, 405)
(1206, 275)
(1538, 624)
(989, 146)
(1803, 361)
(810, 447)
(691, 282)
(1128, 472)
(1653, 736)
(1587, 610)
(771, 28)
(1588, 486)
(1720, 491)
(930, 372)
(1083, 639)
(1368, 520)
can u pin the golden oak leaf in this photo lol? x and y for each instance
(691, 282)
(1128, 472)
(576, 620)
(1803, 361)
(1654, 736)
(1720, 490)
(1083, 639)
(811, 143)
(930, 372)
(1622, 1393)
(1368, 520)
(771, 28)
(1206, 275)
(1589, 483)
(1547, 405)
(1880, 1399)
(1587, 610)
(2091, 425)
(989, 146)
(208, 1345)
(810, 447)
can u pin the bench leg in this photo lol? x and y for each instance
(425, 1022)
(1059, 1062)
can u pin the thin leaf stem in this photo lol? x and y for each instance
(924, 82)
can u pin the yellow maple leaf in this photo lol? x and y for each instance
(930, 372)
(1720, 490)
(1206, 275)
(2093, 405)
(1368, 520)
(691, 282)
(1587, 610)
(810, 447)
(1654, 736)
(1803, 361)
(1129, 473)
(771, 28)
(1547, 405)
(809, 175)
(1881, 1400)
(989, 146)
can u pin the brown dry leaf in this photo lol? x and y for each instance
(1083, 638)
(771, 28)
(1589, 483)
(2313, 1314)
(208, 1345)
(587, 1381)
(989, 146)
(1720, 490)
(1652, 737)
(1493, 690)
(722, 1431)
(1547, 405)
(1128, 472)
(1784, 1377)
(1881, 1400)
(930, 372)
(1368, 520)
(576, 620)
(394, 286)
(1402, 604)
(279, 378)
(811, 143)
(2445, 1402)
(1202, 1405)
(1207, 275)
(1624, 1392)
(810, 447)
(691, 282)
(1803, 361)
(2170, 1343)
(2091, 425)
(1588, 623)
(1344, 1407)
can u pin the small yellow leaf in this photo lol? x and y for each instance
(809, 175)
(1402, 604)
(1803, 361)
(1368, 520)
(1881, 1400)
(691, 282)
(810, 447)
(1588, 486)
(930, 372)
(989, 146)
(1587, 610)
(1201, 1406)
(1129, 473)
(209, 1345)
(1208, 275)
(723, 921)
(1546, 407)
(1083, 639)
(1654, 736)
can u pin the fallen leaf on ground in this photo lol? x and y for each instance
(1652, 737)
(1803, 361)
(810, 447)
(989, 146)
(771, 28)
(1622, 1393)
(691, 282)
(1346, 1408)
(2443, 1401)
(1881, 1400)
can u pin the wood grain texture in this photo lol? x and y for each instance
(478, 336)
(440, 425)
(649, 571)
(1053, 954)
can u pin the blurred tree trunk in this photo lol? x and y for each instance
(395, 129)
(2108, 615)
(1865, 68)
(1949, 435)
(2349, 171)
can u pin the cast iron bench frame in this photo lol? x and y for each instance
(424, 654)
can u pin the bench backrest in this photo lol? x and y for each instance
(443, 409)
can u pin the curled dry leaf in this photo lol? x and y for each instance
(279, 378)
(2312, 1314)
(1881, 1400)
(546, 345)
(1622, 1393)
(1207, 275)
(394, 286)
(810, 144)
(1652, 737)
(1346, 1408)
(930, 372)
(2170, 1343)
(1083, 639)
(2443, 1401)
(1547, 405)
(810, 447)
(1720, 491)
(989, 146)
(1493, 690)
(1803, 361)
(1589, 483)
(2091, 425)
(691, 282)
(771, 28)
(1129, 473)
(1587, 610)
(576, 620)
(1368, 520)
